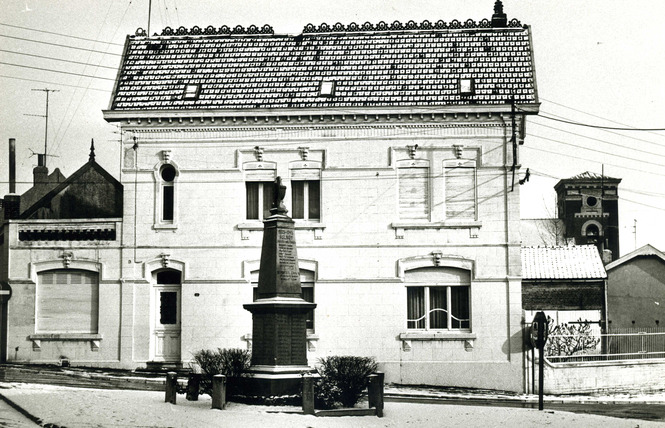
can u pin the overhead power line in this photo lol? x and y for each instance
(52, 83)
(59, 45)
(632, 149)
(598, 126)
(80, 101)
(641, 170)
(643, 161)
(57, 34)
(58, 71)
(586, 112)
(57, 59)
(621, 135)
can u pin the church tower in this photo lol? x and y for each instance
(588, 205)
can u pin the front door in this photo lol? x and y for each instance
(166, 322)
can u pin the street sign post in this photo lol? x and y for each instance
(539, 329)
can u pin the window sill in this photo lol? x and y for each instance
(473, 226)
(165, 226)
(438, 335)
(37, 338)
(421, 336)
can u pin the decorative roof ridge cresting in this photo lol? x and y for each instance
(210, 31)
(408, 26)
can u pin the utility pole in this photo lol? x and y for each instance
(635, 233)
(149, 13)
(46, 116)
(513, 139)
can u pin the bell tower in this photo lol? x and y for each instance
(588, 205)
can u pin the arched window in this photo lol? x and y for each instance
(592, 230)
(167, 174)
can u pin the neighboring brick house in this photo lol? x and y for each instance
(567, 283)
(398, 145)
(59, 255)
(588, 205)
(636, 290)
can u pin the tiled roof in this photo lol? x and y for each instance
(416, 65)
(590, 176)
(574, 262)
(645, 251)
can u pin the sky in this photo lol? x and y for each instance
(598, 62)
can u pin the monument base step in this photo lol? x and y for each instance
(274, 381)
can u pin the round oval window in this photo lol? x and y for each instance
(591, 201)
(168, 173)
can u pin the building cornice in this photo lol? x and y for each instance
(350, 114)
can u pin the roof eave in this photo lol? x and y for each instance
(119, 115)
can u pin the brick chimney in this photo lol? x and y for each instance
(11, 206)
(12, 165)
(499, 19)
(606, 255)
(40, 172)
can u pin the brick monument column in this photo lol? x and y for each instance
(279, 331)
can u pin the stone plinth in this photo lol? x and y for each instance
(279, 331)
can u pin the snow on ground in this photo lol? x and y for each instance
(81, 407)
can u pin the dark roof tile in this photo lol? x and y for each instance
(404, 68)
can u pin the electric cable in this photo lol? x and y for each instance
(58, 71)
(59, 45)
(57, 59)
(58, 34)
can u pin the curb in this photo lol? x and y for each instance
(511, 401)
(21, 410)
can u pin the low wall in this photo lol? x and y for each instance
(601, 376)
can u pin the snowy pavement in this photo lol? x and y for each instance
(86, 407)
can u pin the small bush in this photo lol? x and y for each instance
(570, 339)
(233, 363)
(343, 380)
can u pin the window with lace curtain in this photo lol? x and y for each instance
(438, 299)
(259, 199)
(259, 185)
(306, 199)
(306, 190)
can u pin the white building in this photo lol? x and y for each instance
(398, 146)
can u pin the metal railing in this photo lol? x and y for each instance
(618, 344)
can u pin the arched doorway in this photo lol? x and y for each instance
(166, 303)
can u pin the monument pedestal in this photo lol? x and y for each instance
(279, 330)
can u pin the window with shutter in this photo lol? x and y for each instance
(460, 182)
(414, 201)
(67, 302)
